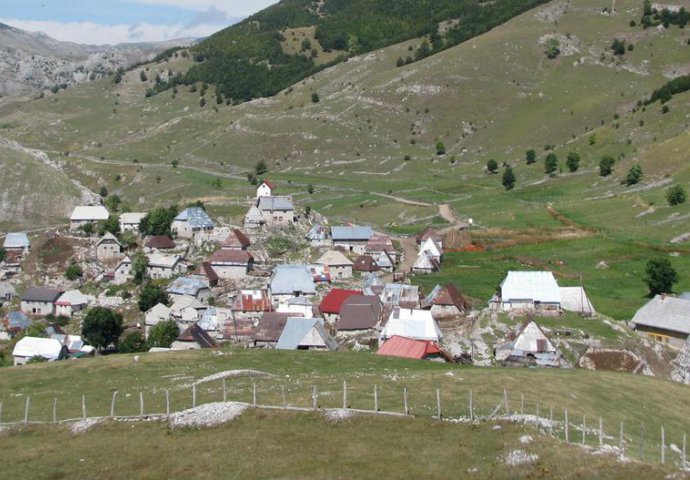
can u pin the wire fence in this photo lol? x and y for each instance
(627, 439)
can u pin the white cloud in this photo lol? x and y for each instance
(91, 33)
(233, 8)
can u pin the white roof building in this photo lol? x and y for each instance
(131, 220)
(30, 347)
(430, 245)
(95, 213)
(334, 257)
(410, 323)
(574, 299)
(529, 290)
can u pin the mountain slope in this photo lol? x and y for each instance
(31, 62)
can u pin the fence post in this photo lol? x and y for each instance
(254, 393)
(193, 395)
(405, 407)
(141, 404)
(471, 407)
(225, 391)
(551, 419)
(284, 399)
(83, 405)
(167, 402)
(584, 430)
(112, 404)
(505, 401)
(641, 441)
(314, 397)
(663, 445)
(26, 409)
(522, 404)
(567, 428)
(438, 403)
(601, 433)
(538, 411)
(684, 462)
(620, 441)
(0, 413)
(376, 399)
(55, 410)
(344, 395)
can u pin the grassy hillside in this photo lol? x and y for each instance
(635, 400)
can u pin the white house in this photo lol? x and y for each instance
(87, 214)
(339, 266)
(530, 290)
(33, 347)
(39, 301)
(430, 245)
(17, 242)
(231, 264)
(192, 221)
(426, 263)
(123, 271)
(163, 266)
(108, 248)
(265, 189)
(71, 301)
(130, 221)
(276, 211)
(411, 323)
(529, 345)
(288, 281)
(158, 313)
(352, 238)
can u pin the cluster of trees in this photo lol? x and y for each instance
(158, 221)
(660, 276)
(668, 90)
(651, 17)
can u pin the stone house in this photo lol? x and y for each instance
(39, 301)
(231, 264)
(83, 215)
(163, 266)
(339, 266)
(108, 248)
(276, 211)
(191, 222)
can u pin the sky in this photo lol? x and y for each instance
(99, 22)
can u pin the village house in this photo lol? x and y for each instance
(351, 238)
(194, 337)
(365, 264)
(664, 319)
(385, 262)
(372, 284)
(130, 221)
(434, 249)
(13, 324)
(429, 232)
(206, 270)
(253, 219)
(360, 312)
(403, 347)
(426, 263)
(529, 346)
(39, 301)
(318, 236)
(215, 320)
(265, 189)
(195, 287)
(7, 293)
(445, 302)
(288, 281)
(236, 241)
(70, 302)
(163, 266)
(160, 242)
(108, 248)
(270, 328)
(305, 334)
(123, 272)
(17, 242)
(192, 221)
(12, 264)
(231, 264)
(400, 295)
(251, 304)
(298, 307)
(378, 244)
(411, 323)
(339, 266)
(529, 291)
(33, 347)
(276, 211)
(84, 215)
(156, 314)
(333, 301)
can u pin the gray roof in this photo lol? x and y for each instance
(665, 313)
(16, 240)
(187, 286)
(40, 294)
(18, 320)
(196, 217)
(288, 279)
(297, 328)
(6, 289)
(349, 233)
(275, 203)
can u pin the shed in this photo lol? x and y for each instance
(194, 337)
(403, 347)
(574, 299)
(7, 292)
(426, 263)
(360, 312)
(32, 347)
(305, 334)
(70, 302)
(529, 340)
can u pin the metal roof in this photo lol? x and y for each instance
(48, 348)
(350, 233)
(288, 279)
(532, 286)
(90, 213)
(317, 232)
(275, 203)
(18, 320)
(297, 328)
(187, 286)
(334, 257)
(16, 240)
(132, 218)
(6, 289)
(165, 261)
(574, 299)
(360, 312)
(333, 301)
(40, 294)
(73, 297)
(196, 217)
(396, 294)
(417, 324)
(398, 346)
(665, 313)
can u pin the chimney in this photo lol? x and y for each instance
(663, 297)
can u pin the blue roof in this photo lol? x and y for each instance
(18, 320)
(353, 232)
(196, 217)
(16, 240)
(297, 328)
(187, 286)
(289, 279)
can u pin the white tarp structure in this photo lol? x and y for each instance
(30, 347)
(522, 290)
(410, 323)
(574, 299)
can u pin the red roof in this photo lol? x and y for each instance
(207, 270)
(332, 302)
(247, 303)
(404, 347)
(267, 182)
(230, 256)
(237, 240)
(365, 263)
(160, 241)
(428, 233)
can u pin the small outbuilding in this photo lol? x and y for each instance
(305, 334)
(339, 266)
(403, 347)
(664, 319)
(29, 348)
(108, 248)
